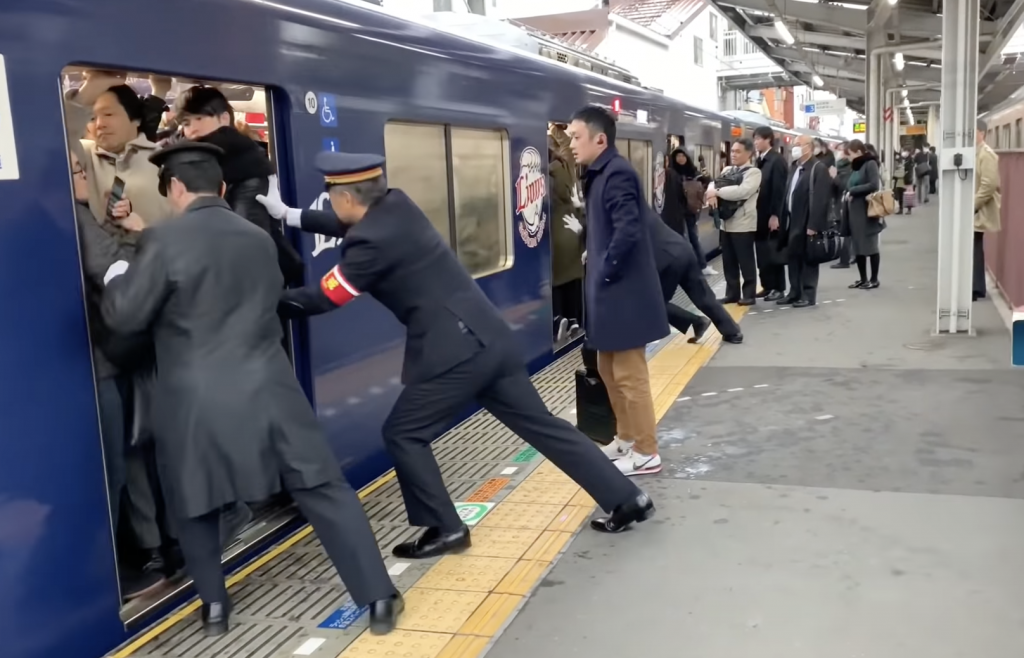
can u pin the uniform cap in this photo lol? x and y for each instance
(183, 153)
(348, 168)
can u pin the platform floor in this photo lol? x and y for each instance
(843, 484)
(290, 602)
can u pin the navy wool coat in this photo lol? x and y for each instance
(625, 309)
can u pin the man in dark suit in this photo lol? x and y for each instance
(808, 199)
(230, 421)
(771, 232)
(458, 350)
(625, 310)
(933, 174)
(678, 268)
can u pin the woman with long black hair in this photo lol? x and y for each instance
(684, 198)
(860, 228)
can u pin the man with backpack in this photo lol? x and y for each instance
(733, 195)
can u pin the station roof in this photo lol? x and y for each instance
(830, 41)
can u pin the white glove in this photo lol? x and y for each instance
(277, 208)
(583, 259)
(573, 224)
(575, 197)
(114, 271)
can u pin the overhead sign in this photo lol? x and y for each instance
(8, 149)
(826, 106)
(860, 127)
(737, 131)
(916, 129)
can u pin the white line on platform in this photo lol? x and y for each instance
(510, 470)
(309, 646)
(733, 390)
(704, 395)
(683, 399)
(825, 417)
(397, 568)
(760, 385)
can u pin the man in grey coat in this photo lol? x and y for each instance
(230, 421)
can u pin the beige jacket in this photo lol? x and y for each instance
(745, 219)
(141, 178)
(987, 197)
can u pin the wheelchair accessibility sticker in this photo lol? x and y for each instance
(328, 111)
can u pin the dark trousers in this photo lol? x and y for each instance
(687, 275)
(495, 378)
(978, 287)
(931, 185)
(845, 247)
(567, 300)
(773, 275)
(738, 258)
(693, 235)
(803, 279)
(337, 516)
(113, 426)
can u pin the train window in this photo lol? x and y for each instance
(479, 159)
(413, 152)
(469, 206)
(1017, 134)
(639, 155)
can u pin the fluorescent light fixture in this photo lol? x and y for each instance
(903, 92)
(783, 31)
(898, 61)
(906, 102)
(818, 81)
(892, 2)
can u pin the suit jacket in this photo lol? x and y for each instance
(772, 198)
(229, 418)
(625, 309)
(397, 256)
(811, 203)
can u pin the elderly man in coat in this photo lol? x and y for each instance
(987, 204)
(230, 421)
(625, 309)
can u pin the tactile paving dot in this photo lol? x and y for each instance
(545, 492)
(520, 515)
(438, 610)
(397, 644)
(548, 471)
(501, 542)
(466, 573)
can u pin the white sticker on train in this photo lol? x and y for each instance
(8, 148)
(531, 189)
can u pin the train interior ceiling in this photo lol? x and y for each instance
(469, 202)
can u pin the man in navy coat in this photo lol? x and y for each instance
(625, 309)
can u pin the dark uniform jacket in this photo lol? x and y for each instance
(623, 296)
(811, 202)
(669, 247)
(229, 419)
(396, 255)
(771, 200)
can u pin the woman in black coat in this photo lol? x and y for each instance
(863, 230)
(677, 212)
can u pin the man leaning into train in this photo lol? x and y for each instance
(458, 349)
(229, 420)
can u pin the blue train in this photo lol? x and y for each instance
(464, 126)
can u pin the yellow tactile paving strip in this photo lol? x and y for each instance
(464, 601)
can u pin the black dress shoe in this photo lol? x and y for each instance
(727, 300)
(637, 510)
(774, 296)
(856, 285)
(215, 619)
(746, 302)
(785, 301)
(384, 614)
(841, 266)
(699, 329)
(802, 303)
(870, 285)
(433, 543)
(735, 339)
(763, 294)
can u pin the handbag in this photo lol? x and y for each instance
(881, 203)
(822, 247)
(909, 198)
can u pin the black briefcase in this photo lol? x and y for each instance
(594, 415)
(589, 360)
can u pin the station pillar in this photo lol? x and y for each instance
(956, 145)
(934, 130)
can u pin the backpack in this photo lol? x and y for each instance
(726, 209)
(693, 191)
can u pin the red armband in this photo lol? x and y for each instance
(337, 288)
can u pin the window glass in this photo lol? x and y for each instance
(416, 165)
(639, 155)
(698, 51)
(479, 166)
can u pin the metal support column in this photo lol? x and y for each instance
(958, 117)
(878, 14)
(934, 130)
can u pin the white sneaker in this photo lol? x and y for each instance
(636, 464)
(709, 271)
(617, 448)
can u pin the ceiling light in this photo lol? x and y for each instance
(892, 2)
(906, 102)
(904, 92)
(898, 61)
(783, 31)
(818, 81)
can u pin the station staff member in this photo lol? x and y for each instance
(230, 421)
(458, 349)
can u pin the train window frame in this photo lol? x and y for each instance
(75, 117)
(647, 151)
(507, 252)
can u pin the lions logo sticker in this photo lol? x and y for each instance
(659, 182)
(531, 188)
